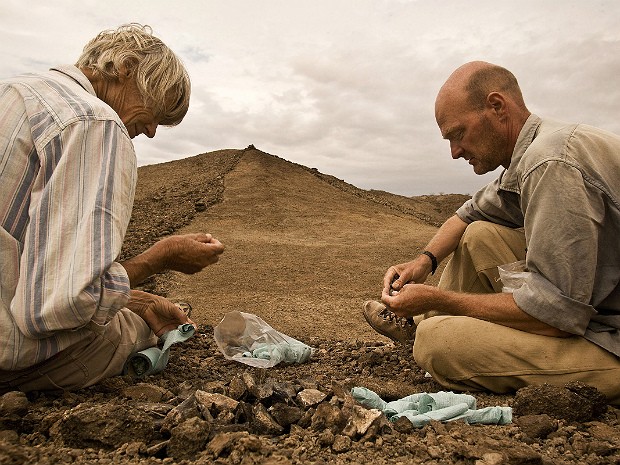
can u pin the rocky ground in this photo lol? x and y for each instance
(205, 409)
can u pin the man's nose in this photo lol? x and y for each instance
(456, 150)
(150, 130)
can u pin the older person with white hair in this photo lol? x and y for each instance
(68, 314)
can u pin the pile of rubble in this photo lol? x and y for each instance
(203, 409)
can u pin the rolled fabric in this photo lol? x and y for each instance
(423, 407)
(153, 360)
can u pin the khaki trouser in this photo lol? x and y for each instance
(464, 353)
(100, 355)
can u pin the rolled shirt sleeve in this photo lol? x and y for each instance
(563, 177)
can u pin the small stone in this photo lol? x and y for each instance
(360, 420)
(310, 397)
(223, 441)
(491, 458)
(214, 403)
(284, 414)
(341, 444)
(9, 436)
(306, 418)
(284, 392)
(537, 426)
(263, 423)
(403, 425)
(328, 416)
(184, 411)
(147, 392)
(188, 438)
(326, 438)
(236, 388)
(13, 403)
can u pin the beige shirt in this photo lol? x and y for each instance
(563, 188)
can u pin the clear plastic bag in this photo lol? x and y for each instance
(246, 338)
(512, 275)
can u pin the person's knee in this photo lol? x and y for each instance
(479, 234)
(439, 344)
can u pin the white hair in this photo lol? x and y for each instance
(160, 76)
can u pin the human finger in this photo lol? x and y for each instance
(389, 277)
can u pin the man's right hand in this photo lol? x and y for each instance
(189, 253)
(415, 271)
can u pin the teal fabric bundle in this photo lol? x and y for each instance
(442, 406)
(154, 360)
(287, 352)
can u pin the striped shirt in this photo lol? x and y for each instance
(67, 181)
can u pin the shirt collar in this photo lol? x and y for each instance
(74, 73)
(509, 178)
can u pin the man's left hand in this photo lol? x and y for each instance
(158, 312)
(412, 299)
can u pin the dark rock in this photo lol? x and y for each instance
(243, 412)
(102, 426)
(555, 401)
(306, 419)
(596, 397)
(13, 403)
(326, 438)
(403, 425)
(188, 438)
(236, 388)
(284, 392)
(184, 411)
(200, 206)
(341, 444)
(263, 423)
(328, 416)
(284, 414)
(537, 426)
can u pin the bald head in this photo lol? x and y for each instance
(480, 111)
(472, 82)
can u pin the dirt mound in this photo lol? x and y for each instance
(304, 250)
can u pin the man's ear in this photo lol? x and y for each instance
(497, 103)
(124, 72)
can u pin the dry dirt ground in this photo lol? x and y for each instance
(304, 250)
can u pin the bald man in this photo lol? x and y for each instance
(556, 206)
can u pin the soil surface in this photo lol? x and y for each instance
(304, 250)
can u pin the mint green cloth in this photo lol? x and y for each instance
(287, 352)
(442, 406)
(154, 360)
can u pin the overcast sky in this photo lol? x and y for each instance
(344, 86)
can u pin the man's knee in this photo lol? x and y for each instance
(480, 234)
(484, 235)
(439, 344)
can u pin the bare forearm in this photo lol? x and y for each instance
(497, 308)
(187, 253)
(144, 265)
(447, 238)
